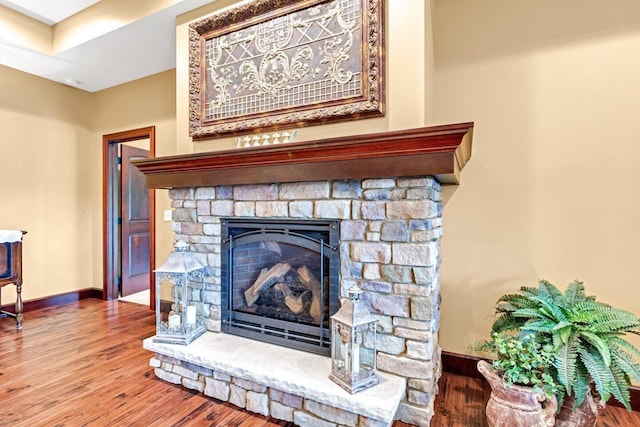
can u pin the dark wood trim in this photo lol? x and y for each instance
(466, 365)
(109, 269)
(110, 253)
(440, 150)
(56, 300)
(461, 364)
(634, 391)
(97, 293)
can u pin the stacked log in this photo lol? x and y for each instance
(294, 303)
(266, 279)
(313, 284)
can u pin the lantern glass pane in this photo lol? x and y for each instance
(169, 318)
(341, 346)
(366, 352)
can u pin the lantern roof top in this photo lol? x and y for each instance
(180, 261)
(354, 311)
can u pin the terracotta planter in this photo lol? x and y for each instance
(585, 415)
(516, 406)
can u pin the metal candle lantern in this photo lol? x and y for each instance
(353, 366)
(179, 292)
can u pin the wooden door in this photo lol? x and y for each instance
(136, 228)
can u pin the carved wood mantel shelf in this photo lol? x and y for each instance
(441, 151)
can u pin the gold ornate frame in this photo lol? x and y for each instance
(277, 64)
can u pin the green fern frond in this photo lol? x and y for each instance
(620, 387)
(517, 300)
(506, 308)
(544, 287)
(612, 325)
(529, 313)
(565, 363)
(599, 344)
(626, 363)
(506, 322)
(560, 325)
(585, 306)
(552, 310)
(544, 326)
(625, 345)
(511, 298)
(611, 322)
(564, 333)
(557, 341)
(530, 290)
(550, 291)
(574, 293)
(602, 318)
(580, 385)
(612, 312)
(600, 374)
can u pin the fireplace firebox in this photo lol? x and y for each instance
(280, 280)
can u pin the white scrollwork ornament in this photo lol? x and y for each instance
(275, 71)
(221, 77)
(336, 49)
(277, 35)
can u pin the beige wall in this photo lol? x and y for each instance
(141, 103)
(551, 190)
(51, 185)
(44, 153)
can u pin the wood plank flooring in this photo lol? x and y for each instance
(82, 364)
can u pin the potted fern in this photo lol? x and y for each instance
(522, 387)
(591, 354)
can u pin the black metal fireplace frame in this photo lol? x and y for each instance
(313, 339)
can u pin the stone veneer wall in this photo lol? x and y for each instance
(257, 398)
(389, 244)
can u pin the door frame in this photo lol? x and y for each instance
(110, 210)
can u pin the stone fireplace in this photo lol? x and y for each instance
(373, 203)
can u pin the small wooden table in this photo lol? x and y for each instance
(11, 269)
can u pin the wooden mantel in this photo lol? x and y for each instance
(441, 151)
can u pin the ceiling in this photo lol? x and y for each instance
(49, 12)
(123, 54)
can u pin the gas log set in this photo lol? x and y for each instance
(298, 289)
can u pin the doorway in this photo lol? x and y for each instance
(128, 215)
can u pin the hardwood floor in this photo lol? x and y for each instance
(82, 364)
(461, 402)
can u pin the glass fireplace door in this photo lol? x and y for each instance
(280, 281)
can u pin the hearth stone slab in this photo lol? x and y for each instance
(291, 371)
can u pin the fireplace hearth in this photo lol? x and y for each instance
(280, 281)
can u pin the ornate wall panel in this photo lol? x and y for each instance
(275, 64)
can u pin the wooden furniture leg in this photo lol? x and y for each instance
(19, 316)
(14, 276)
